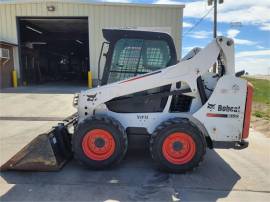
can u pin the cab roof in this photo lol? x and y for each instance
(115, 34)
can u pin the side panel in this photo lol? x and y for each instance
(223, 113)
(143, 120)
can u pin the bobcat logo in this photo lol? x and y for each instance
(211, 106)
(91, 98)
(235, 88)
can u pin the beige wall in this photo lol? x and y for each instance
(103, 15)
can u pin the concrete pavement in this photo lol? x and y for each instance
(224, 175)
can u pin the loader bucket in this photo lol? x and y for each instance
(47, 152)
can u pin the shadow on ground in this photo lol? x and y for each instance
(135, 179)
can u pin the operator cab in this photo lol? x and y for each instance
(133, 52)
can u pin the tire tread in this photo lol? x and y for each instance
(110, 121)
(185, 124)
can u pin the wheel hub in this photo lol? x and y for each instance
(99, 142)
(179, 148)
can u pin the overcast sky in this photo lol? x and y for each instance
(246, 21)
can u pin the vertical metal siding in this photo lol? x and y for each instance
(99, 16)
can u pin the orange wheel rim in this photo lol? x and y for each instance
(98, 144)
(179, 148)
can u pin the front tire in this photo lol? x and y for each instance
(99, 142)
(177, 145)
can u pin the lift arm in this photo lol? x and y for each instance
(187, 71)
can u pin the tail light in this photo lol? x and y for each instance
(247, 111)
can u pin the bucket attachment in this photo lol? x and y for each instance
(47, 152)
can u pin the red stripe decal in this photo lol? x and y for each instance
(139, 77)
(217, 115)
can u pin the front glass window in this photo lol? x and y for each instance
(137, 56)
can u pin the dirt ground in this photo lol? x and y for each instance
(260, 124)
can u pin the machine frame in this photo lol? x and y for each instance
(215, 117)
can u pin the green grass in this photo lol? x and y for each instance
(263, 115)
(261, 98)
(261, 90)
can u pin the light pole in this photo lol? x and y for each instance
(210, 3)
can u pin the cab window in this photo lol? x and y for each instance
(138, 56)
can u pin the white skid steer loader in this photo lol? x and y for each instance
(183, 106)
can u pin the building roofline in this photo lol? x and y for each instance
(94, 3)
(8, 43)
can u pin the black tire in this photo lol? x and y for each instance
(167, 128)
(105, 123)
(63, 137)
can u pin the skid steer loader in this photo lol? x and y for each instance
(184, 106)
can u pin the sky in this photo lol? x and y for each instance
(246, 21)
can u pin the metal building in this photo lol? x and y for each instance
(48, 35)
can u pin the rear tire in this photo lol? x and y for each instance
(99, 142)
(177, 145)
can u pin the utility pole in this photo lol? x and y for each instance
(210, 3)
(215, 19)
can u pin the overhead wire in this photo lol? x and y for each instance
(199, 21)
